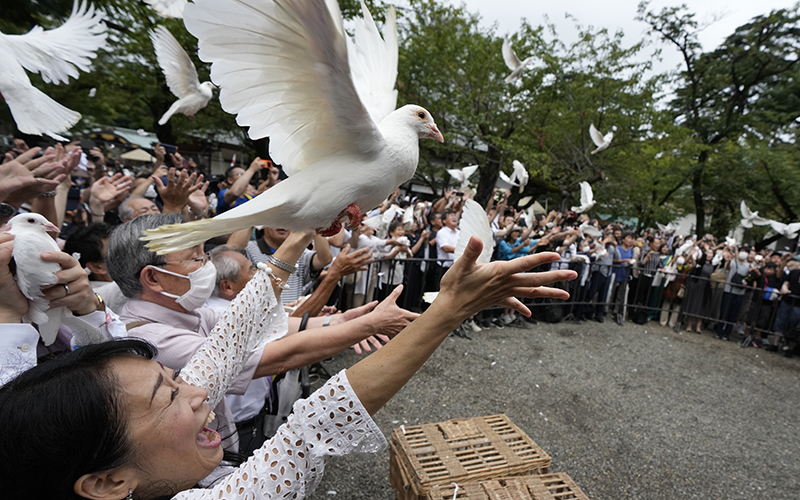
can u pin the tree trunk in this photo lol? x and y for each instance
(697, 194)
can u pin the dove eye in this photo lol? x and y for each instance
(32, 221)
(421, 114)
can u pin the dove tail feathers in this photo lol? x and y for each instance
(171, 111)
(175, 237)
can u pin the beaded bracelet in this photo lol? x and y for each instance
(281, 264)
(281, 284)
(48, 194)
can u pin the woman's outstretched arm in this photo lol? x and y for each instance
(466, 289)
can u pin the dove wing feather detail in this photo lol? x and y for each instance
(34, 111)
(60, 53)
(373, 62)
(310, 111)
(178, 68)
(597, 137)
(475, 223)
(510, 58)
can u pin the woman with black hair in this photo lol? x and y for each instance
(106, 422)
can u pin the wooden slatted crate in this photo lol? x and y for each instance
(545, 487)
(461, 450)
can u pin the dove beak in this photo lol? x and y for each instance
(51, 228)
(433, 133)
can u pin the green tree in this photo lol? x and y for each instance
(717, 95)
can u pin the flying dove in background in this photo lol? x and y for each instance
(288, 71)
(57, 55)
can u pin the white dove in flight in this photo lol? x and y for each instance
(788, 230)
(473, 223)
(168, 8)
(519, 175)
(33, 273)
(504, 181)
(669, 228)
(750, 218)
(587, 199)
(462, 175)
(181, 76)
(588, 228)
(57, 55)
(601, 141)
(289, 72)
(514, 64)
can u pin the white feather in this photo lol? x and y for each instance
(587, 228)
(475, 223)
(601, 141)
(519, 174)
(788, 230)
(504, 181)
(57, 55)
(181, 76)
(373, 63)
(513, 63)
(750, 218)
(462, 175)
(33, 273)
(283, 70)
(282, 66)
(587, 199)
(60, 53)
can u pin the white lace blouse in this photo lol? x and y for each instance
(330, 422)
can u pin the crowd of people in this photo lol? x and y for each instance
(237, 321)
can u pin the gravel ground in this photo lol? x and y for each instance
(633, 412)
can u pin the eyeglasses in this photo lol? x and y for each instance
(202, 260)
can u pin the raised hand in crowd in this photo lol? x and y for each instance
(24, 178)
(104, 194)
(177, 160)
(160, 152)
(176, 192)
(197, 204)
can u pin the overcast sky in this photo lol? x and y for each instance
(618, 14)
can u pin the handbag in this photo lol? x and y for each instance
(682, 291)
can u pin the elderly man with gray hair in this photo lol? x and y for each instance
(166, 296)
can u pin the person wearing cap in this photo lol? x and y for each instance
(516, 243)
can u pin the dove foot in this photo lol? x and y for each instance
(353, 213)
(332, 230)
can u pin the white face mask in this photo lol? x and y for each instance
(201, 286)
(681, 261)
(742, 255)
(585, 249)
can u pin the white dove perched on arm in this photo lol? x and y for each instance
(601, 141)
(181, 76)
(514, 64)
(519, 175)
(587, 199)
(287, 73)
(33, 273)
(462, 175)
(56, 54)
(750, 219)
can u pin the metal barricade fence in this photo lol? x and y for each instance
(672, 298)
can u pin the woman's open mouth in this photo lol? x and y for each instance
(208, 438)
